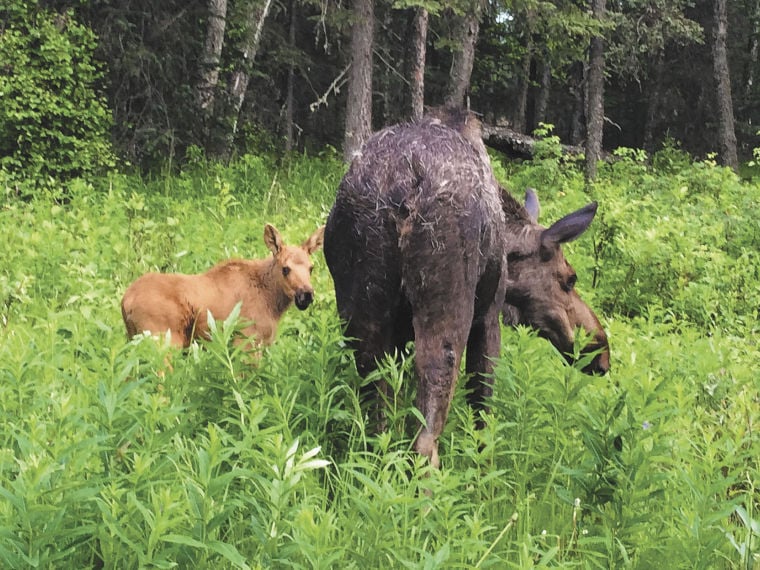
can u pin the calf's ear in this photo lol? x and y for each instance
(272, 238)
(314, 241)
(570, 227)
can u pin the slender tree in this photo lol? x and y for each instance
(419, 45)
(726, 133)
(520, 113)
(464, 57)
(289, 100)
(653, 101)
(544, 88)
(211, 56)
(753, 48)
(359, 104)
(577, 84)
(227, 115)
(595, 96)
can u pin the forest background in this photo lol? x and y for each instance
(85, 83)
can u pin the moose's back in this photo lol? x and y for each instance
(415, 244)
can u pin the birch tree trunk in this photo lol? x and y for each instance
(208, 73)
(595, 97)
(211, 56)
(359, 104)
(418, 62)
(228, 116)
(726, 130)
(464, 58)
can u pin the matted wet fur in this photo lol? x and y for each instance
(415, 245)
(178, 304)
(418, 243)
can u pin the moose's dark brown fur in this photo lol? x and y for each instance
(541, 283)
(417, 243)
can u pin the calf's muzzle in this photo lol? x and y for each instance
(303, 299)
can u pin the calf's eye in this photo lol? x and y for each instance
(285, 271)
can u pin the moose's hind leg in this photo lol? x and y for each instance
(370, 309)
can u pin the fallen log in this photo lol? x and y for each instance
(518, 145)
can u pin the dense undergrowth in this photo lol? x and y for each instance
(109, 461)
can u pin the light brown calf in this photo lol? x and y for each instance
(178, 304)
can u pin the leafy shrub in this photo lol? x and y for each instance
(52, 121)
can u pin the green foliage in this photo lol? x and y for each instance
(53, 124)
(646, 27)
(674, 237)
(109, 458)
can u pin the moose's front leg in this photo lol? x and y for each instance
(482, 347)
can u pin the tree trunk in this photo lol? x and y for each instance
(520, 116)
(289, 104)
(653, 102)
(595, 97)
(228, 117)
(726, 133)
(753, 48)
(419, 46)
(384, 100)
(464, 58)
(578, 92)
(544, 87)
(359, 104)
(208, 74)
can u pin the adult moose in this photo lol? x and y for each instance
(417, 243)
(178, 304)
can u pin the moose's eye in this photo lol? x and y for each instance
(570, 283)
(285, 271)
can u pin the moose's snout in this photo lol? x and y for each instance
(303, 299)
(600, 365)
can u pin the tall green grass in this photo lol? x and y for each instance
(110, 460)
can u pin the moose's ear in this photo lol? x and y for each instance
(314, 241)
(570, 227)
(531, 204)
(272, 238)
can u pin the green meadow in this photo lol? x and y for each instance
(109, 460)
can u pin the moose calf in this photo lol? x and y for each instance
(178, 304)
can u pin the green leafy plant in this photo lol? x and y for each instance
(53, 123)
